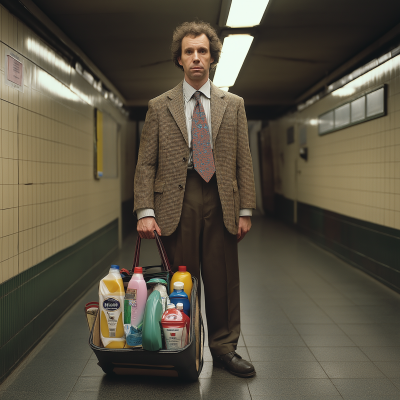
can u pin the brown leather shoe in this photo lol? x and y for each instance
(234, 364)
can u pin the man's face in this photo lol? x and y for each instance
(196, 58)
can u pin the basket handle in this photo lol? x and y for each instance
(161, 250)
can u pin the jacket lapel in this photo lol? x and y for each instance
(175, 105)
(218, 106)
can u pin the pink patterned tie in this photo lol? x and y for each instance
(203, 159)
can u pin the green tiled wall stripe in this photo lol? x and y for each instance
(128, 219)
(370, 247)
(284, 208)
(33, 301)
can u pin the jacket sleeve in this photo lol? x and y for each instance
(146, 167)
(244, 163)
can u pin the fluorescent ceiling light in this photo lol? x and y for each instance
(234, 51)
(246, 13)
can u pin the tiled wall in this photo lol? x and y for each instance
(353, 172)
(49, 199)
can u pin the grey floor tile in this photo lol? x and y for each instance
(65, 352)
(8, 395)
(268, 329)
(375, 340)
(319, 388)
(310, 319)
(280, 354)
(273, 340)
(396, 382)
(327, 340)
(92, 369)
(42, 383)
(84, 396)
(228, 389)
(318, 329)
(120, 387)
(333, 301)
(294, 397)
(390, 368)
(54, 367)
(338, 354)
(288, 370)
(369, 389)
(370, 329)
(382, 353)
(351, 369)
(207, 354)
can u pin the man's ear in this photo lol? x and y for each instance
(179, 61)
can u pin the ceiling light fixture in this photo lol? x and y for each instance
(246, 13)
(234, 51)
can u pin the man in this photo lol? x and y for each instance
(194, 184)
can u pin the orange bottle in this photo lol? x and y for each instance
(182, 276)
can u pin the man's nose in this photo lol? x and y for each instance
(196, 56)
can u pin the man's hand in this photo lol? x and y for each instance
(244, 227)
(146, 226)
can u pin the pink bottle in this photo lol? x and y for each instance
(137, 295)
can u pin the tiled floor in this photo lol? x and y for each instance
(314, 327)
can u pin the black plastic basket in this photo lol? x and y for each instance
(185, 363)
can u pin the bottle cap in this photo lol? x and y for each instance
(178, 285)
(182, 268)
(138, 270)
(179, 306)
(171, 305)
(114, 266)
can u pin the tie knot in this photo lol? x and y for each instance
(197, 95)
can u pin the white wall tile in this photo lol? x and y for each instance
(49, 199)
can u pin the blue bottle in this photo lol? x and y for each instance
(179, 296)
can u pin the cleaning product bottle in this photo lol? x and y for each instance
(111, 300)
(136, 295)
(151, 333)
(174, 328)
(179, 296)
(182, 276)
(179, 307)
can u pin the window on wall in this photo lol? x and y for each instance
(369, 106)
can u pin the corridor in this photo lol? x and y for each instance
(313, 326)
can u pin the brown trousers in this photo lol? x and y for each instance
(201, 242)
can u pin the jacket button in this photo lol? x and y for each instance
(180, 187)
(184, 159)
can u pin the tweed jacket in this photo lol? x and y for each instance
(161, 170)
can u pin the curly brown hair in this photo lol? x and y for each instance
(195, 28)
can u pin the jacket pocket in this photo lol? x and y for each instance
(158, 195)
(159, 186)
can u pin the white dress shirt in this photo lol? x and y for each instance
(189, 104)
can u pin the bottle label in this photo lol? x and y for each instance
(131, 294)
(111, 304)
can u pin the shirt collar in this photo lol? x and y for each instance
(188, 90)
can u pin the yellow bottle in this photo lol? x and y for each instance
(111, 306)
(182, 276)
